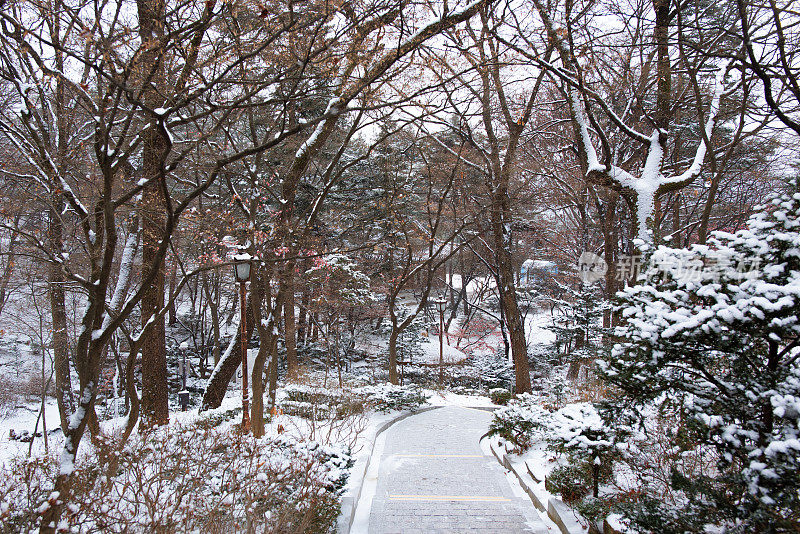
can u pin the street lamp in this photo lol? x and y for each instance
(241, 269)
(183, 348)
(441, 305)
(183, 394)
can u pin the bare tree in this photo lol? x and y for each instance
(493, 114)
(770, 38)
(606, 169)
(354, 72)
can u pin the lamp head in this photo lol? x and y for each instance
(241, 267)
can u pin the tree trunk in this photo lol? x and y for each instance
(58, 310)
(89, 356)
(609, 228)
(393, 355)
(66, 405)
(227, 366)
(574, 368)
(173, 275)
(302, 322)
(290, 330)
(154, 403)
(8, 270)
(702, 231)
(272, 374)
(314, 327)
(213, 307)
(501, 227)
(268, 348)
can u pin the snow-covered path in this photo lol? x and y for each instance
(433, 476)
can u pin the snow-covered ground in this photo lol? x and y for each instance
(536, 329)
(19, 358)
(430, 349)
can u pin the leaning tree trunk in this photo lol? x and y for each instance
(228, 364)
(89, 355)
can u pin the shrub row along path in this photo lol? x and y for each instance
(434, 477)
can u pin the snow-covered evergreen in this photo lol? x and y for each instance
(715, 328)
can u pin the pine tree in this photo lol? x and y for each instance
(716, 329)
(578, 328)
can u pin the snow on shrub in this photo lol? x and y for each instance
(577, 432)
(187, 479)
(319, 403)
(519, 421)
(579, 428)
(717, 327)
(500, 395)
(388, 397)
(591, 447)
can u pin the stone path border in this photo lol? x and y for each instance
(567, 520)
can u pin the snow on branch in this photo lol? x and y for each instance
(651, 183)
(125, 265)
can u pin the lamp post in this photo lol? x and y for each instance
(241, 269)
(183, 394)
(183, 348)
(441, 305)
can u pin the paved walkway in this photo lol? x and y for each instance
(433, 477)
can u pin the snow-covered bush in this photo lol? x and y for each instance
(591, 447)
(558, 387)
(214, 418)
(579, 430)
(588, 445)
(496, 369)
(388, 397)
(572, 482)
(716, 327)
(500, 395)
(520, 421)
(187, 479)
(319, 403)
(649, 479)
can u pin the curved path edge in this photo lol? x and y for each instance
(565, 518)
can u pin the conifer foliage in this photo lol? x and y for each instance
(715, 329)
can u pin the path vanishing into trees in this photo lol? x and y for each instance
(433, 476)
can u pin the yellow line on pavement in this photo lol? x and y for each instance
(437, 498)
(439, 455)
